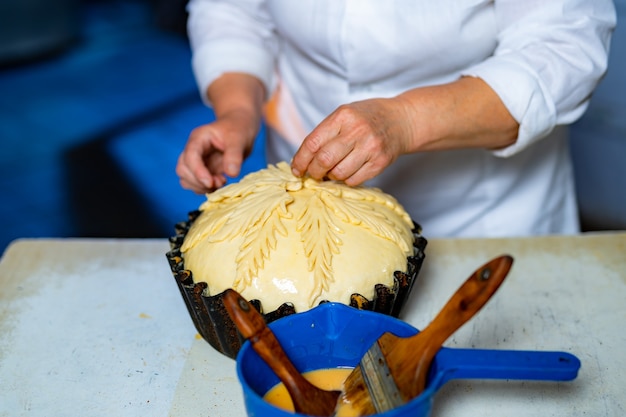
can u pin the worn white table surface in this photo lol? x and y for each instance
(98, 328)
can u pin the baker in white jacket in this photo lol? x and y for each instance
(457, 108)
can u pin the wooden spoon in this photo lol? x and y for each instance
(306, 397)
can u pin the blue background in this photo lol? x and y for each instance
(95, 108)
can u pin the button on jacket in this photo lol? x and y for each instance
(542, 57)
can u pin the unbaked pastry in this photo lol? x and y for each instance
(279, 238)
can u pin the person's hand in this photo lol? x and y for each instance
(215, 151)
(358, 141)
(354, 143)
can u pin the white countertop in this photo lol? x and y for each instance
(98, 328)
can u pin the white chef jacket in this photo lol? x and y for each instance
(542, 57)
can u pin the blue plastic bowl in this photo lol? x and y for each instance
(334, 335)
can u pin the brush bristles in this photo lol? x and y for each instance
(356, 394)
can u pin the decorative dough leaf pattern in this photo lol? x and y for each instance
(374, 218)
(258, 208)
(260, 233)
(320, 236)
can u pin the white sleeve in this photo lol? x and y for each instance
(551, 54)
(231, 36)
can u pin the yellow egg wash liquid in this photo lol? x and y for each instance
(327, 379)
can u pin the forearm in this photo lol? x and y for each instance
(466, 113)
(239, 95)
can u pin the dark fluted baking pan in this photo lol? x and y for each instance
(214, 324)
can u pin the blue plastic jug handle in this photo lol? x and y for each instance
(454, 363)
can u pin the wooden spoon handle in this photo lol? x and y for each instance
(306, 397)
(252, 327)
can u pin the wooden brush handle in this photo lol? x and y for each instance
(469, 299)
(306, 397)
(409, 359)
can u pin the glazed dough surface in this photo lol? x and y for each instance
(276, 238)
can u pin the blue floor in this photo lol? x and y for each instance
(89, 138)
